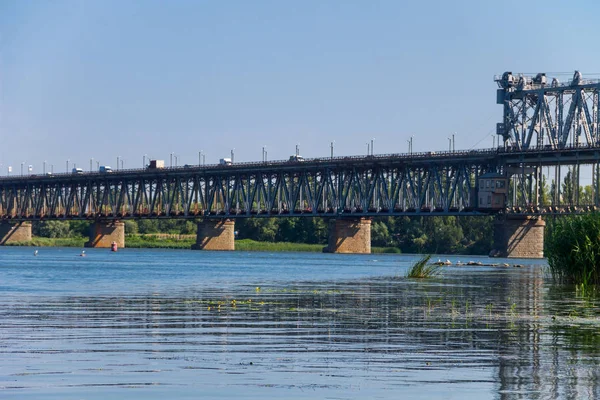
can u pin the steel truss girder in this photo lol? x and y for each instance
(429, 184)
(553, 117)
(318, 190)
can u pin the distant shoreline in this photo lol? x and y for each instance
(156, 242)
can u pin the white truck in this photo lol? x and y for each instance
(225, 161)
(156, 164)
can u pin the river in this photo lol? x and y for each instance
(170, 324)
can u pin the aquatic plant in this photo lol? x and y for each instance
(573, 249)
(422, 269)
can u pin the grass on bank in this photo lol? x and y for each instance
(572, 247)
(51, 242)
(157, 242)
(253, 245)
(422, 269)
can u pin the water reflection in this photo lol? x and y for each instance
(471, 334)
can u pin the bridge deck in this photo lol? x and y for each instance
(427, 183)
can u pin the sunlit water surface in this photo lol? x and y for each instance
(152, 324)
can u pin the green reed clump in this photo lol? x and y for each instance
(573, 249)
(422, 269)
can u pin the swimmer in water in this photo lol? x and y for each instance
(82, 254)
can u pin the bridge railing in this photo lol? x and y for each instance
(317, 160)
(273, 163)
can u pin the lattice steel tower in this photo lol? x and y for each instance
(552, 116)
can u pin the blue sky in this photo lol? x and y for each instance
(101, 79)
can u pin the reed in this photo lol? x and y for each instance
(422, 269)
(158, 242)
(252, 245)
(51, 242)
(572, 246)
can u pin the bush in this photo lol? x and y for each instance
(79, 228)
(54, 229)
(131, 227)
(147, 226)
(573, 249)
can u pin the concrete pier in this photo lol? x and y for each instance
(103, 233)
(15, 232)
(351, 235)
(215, 235)
(517, 236)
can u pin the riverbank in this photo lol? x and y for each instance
(158, 242)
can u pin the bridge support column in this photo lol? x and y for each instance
(215, 235)
(103, 233)
(518, 236)
(352, 235)
(15, 232)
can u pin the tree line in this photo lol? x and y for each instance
(433, 234)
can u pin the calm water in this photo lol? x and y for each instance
(151, 324)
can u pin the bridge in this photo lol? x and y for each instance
(545, 126)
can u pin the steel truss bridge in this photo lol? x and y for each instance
(564, 119)
(442, 183)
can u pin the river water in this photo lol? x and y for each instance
(154, 324)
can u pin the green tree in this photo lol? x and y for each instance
(545, 196)
(147, 226)
(380, 234)
(261, 229)
(288, 231)
(586, 196)
(477, 234)
(189, 228)
(131, 227)
(446, 235)
(79, 228)
(552, 191)
(54, 229)
(409, 234)
(568, 189)
(169, 225)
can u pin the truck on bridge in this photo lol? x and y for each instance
(156, 164)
